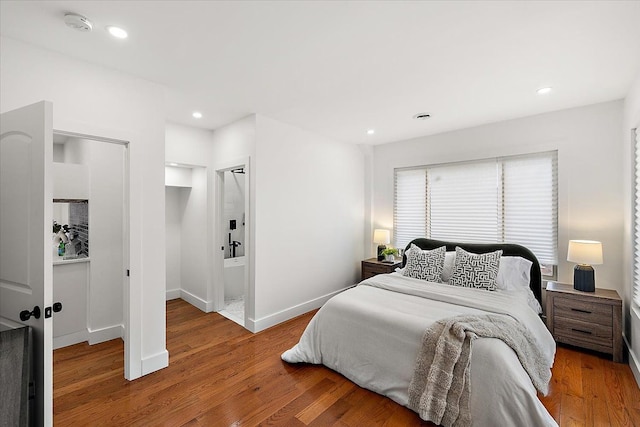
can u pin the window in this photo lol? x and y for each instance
(636, 220)
(508, 199)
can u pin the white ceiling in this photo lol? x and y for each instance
(338, 68)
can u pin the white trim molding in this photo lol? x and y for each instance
(282, 316)
(109, 333)
(70, 339)
(172, 294)
(155, 363)
(634, 352)
(206, 306)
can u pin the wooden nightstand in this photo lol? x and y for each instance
(371, 267)
(590, 320)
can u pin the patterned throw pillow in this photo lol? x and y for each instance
(476, 270)
(425, 265)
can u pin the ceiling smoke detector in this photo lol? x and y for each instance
(78, 22)
(422, 116)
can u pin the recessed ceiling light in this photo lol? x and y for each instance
(197, 114)
(543, 90)
(117, 32)
(173, 164)
(422, 116)
(371, 131)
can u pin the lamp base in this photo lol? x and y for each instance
(380, 249)
(584, 278)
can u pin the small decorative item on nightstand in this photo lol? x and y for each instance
(390, 255)
(381, 237)
(585, 253)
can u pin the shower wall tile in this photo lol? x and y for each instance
(79, 224)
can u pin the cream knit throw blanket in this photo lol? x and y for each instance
(440, 388)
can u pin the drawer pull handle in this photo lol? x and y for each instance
(581, 331)
(581, 311)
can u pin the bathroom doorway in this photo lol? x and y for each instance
(234, 221)
(232, 230)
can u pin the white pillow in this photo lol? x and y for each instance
(514, 273)
(449, 262)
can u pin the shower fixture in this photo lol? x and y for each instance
(238, 170)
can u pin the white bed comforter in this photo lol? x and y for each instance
(371, 334)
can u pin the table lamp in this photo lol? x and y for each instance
(382, 238)
(585, 253)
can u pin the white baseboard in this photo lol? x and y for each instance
(155, 363)
(173, 294)
(70, 339)
(109, 333)
(194, 300)
(634, 363)
(634, 352)
(289, 313)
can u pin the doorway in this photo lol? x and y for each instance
(90, 246)
(234, 221)
(231, 263)
(187, 246)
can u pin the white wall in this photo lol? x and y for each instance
(173, 222)
(93, 100)
(309, 212)
(105, 162)
(631, 120)
(191, 220)
(194, 278)
(70, 284)
(590, 197)
(177, 176)
(70, 181)
(234, 144)
(187, 145)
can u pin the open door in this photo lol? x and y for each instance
(26, 155)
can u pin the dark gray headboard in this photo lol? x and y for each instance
(508, 249)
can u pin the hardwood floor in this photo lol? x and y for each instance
(222, 375)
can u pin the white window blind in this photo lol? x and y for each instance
(507, 199)
(410, 206)
(462, 200)
(530, 204)
(636, 222)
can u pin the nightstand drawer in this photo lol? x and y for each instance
(591, 312)
(372, 267)
(379, 268)
(583, 330)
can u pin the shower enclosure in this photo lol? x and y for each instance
(234, 260)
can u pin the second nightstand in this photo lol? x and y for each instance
(590, 320)
(371, 267)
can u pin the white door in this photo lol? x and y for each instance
(26, 155)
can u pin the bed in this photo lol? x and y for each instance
(372, 334)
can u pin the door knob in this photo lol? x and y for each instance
(26, 314)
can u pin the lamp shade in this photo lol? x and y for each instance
(585, 252)
(381, 237)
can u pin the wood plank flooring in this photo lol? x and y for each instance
(222, 375)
